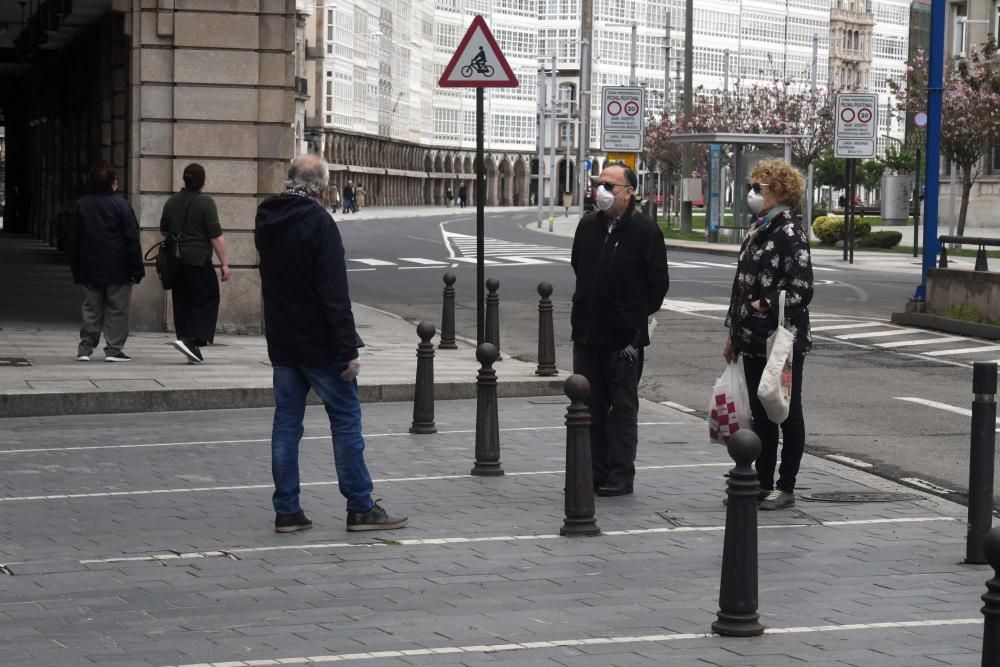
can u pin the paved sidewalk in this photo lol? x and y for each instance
(148, 542)
(46, 379)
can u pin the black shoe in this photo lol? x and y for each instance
(374, 519)
(289, 523)
(119, 356)
(761, 495)
(614, 489)
(189, 350)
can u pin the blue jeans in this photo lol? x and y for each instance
(291, 385)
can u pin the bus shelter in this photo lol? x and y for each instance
(740, 142)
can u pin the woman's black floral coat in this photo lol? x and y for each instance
(775, 258)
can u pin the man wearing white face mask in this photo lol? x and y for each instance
(620, 261)
(774, 258)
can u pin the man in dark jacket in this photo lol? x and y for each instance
(312, 343)
(620, 261)
(106, 260)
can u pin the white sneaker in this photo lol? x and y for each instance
(83, 357)
(193, 356)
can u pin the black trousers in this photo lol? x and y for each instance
(195, 297)
(614, 410)
(793, 429)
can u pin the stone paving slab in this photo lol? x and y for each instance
(236, 373)
(480, 576)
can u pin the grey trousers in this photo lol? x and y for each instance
(105, 309)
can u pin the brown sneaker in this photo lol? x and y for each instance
(374, 519)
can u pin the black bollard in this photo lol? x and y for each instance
(579, 473)
(737, 615)
(546, 334)
(943, 259)
(991, 610)
(487, 424)
(492, 325)
(981, 263)
(982, 451)
(447, 341)
(423, 396)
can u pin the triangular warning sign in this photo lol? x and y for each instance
(478, 62)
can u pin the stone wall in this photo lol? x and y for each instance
(212, 83)
(970, 289)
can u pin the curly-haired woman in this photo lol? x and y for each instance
(774, 257)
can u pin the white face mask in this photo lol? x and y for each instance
(605, 199)
(755, 202)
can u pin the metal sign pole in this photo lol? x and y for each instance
(480, 218)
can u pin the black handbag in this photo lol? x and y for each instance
(168, 254)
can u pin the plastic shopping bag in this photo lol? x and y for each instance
(729, 408)
(775, 389)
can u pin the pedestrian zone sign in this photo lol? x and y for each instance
(622, 118)
(855, 125)
(478, 62)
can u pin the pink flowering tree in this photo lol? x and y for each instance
(971, 99)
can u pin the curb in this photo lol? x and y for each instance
(228, 398)
(708, 249)
(947, 325)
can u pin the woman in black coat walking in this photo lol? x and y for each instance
(106, 261)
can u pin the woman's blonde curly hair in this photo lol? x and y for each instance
(784, 182)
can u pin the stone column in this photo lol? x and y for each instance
(212, 83)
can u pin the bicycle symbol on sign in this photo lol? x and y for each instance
(478, 64)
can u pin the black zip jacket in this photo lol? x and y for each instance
(307, 308)
(621, 279)
(105, 242)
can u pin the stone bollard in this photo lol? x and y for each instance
(579, 473)
(737, 615)
(492, 326)
(423, 396)
(546, 334)
(447, 341)
(487, 424)
(982, 452)
(991, 610)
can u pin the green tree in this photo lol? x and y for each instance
(830, 171)
(869, 174)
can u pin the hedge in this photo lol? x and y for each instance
(881, 239)
(830, 229)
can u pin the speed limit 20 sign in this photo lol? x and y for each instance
(621, 118)
(855, 125)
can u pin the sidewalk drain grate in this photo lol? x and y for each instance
(860, 497)
(14, 361)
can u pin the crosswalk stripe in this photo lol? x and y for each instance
(877, 334)
(856, 325)
(472, 260)
(374, 262)
(421, 260)
(713, 264)
(692, 306)
(920, 341)
(823, 268)
(964, 350)
(523, 260)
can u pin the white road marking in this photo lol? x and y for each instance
(373, 262)
(472, 260)
(250, 487)
(964, 350)
(188, 443)
(713, 264)
(920, 341)
(440, 541)
(692, 306)
(935, 404)
(354, 270)
(677, 406)
(924, 484)
(587, 641)
(823, 268)
(857, 463)
(525, 261)
(877, 334)
(422, 260)
(854, 325)
(415, 268)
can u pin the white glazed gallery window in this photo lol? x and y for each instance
(614, 49)
(615, 11)
(446, 36)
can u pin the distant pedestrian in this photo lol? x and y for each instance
(462, 195)
(106, 261)
(774, 257)
(359, 198)
(195, 293)
(312, 343)
(448, 196)
(334, 198)
(620, 262)
(348, 195)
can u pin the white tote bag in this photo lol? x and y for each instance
(775, 389)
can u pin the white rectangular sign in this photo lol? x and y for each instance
(855, 125)
(622, 113)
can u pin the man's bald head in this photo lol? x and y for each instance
(309, 174)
